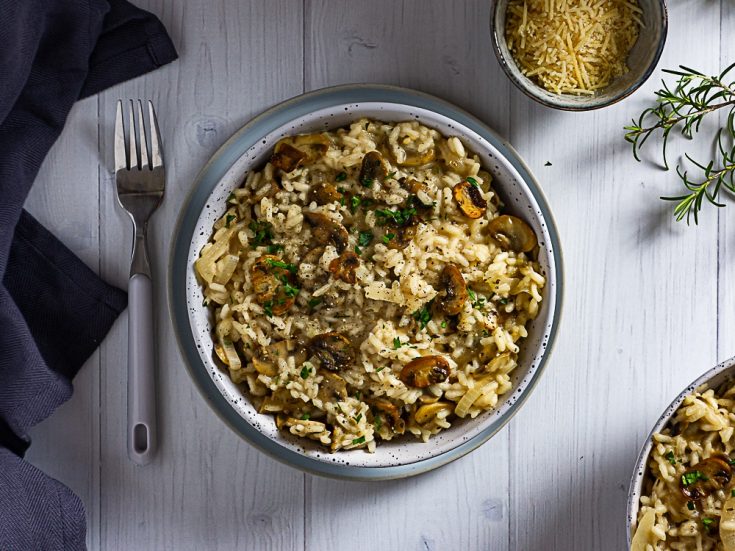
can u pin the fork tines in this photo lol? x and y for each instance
(137, 156)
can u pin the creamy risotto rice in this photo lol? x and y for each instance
(688, 496)
(365, 285)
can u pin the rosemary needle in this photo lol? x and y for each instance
(683, 107)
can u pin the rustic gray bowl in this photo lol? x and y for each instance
(713, 378)
(642, 61)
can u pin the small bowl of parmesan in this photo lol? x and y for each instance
(579, 55)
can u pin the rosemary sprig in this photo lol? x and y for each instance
(684, 107)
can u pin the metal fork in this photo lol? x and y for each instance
(140, 180)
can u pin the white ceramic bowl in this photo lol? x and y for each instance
(248, 150)
(713, 378)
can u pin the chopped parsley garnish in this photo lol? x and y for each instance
(305, 417)
(387, 237)
(378, 423)
(381, 368)
(280, 264)
(268, 308)
(367, 182)
(477, 302)
(289, 290)
(205, 302)
(341, 177)
(400, 217)
(276, 247)
(690, 477)
(358, 417)
(423, 316)
(396, 343)
(503, 300)
(355, 201)
(360, 440)
(390, 175)
(690, 505)
(708, 523)
(472, 181)
(358, 250)
(444, 325)
(231, 197)
(305, 372)
(263, 233)
(228, 220)
(364, 238)
(314, 302)
(671, 458)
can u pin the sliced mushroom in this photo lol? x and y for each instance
(469, 199)
(429, 411)
(333, 388)
(333, 350)
(265, 368)
(513, 233)
(344, 266)
(286, 157)
(324, 193)
(221, 353)
(281, 421)
(326, 230)
(425, 371)
(373, 168)
(295, 151)
(453, 290)
(414, 157)
(391, 413)
(706, 477)
(268, 282)
(402, 235)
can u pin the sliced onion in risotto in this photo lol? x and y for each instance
(643, 533)
(727, 524)
(471, 396)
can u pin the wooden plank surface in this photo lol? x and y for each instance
(643, 294)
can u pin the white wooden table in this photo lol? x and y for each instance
(649, 304)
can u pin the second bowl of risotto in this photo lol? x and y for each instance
(370, 284)
(682, 495)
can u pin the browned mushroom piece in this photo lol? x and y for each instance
(373, 168)
(412, 185)
(390, 412)
(425, 371)
(414, 157)
(314, 145)
(428, 412)
(453, 292)
(286, 157)
(469, 199)
(324, 193)
(706, 477)
(326, 230)
(400, 237)
(333, 388)
(333, 350)
(513, 233)
(344, 266)
(269, 281)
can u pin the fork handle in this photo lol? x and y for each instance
(142, 434)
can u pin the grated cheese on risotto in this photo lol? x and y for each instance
(572, 46)
(365, 285)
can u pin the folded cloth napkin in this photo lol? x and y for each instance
(54, 311)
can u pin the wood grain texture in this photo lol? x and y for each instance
(642, 303)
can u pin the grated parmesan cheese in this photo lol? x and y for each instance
(572, 46)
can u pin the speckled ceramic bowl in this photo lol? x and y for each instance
(713, 378)
(249, 149)
(642, 61)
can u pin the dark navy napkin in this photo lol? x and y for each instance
(54, 311)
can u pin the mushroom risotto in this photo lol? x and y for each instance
(688, 497)
(365, 285)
